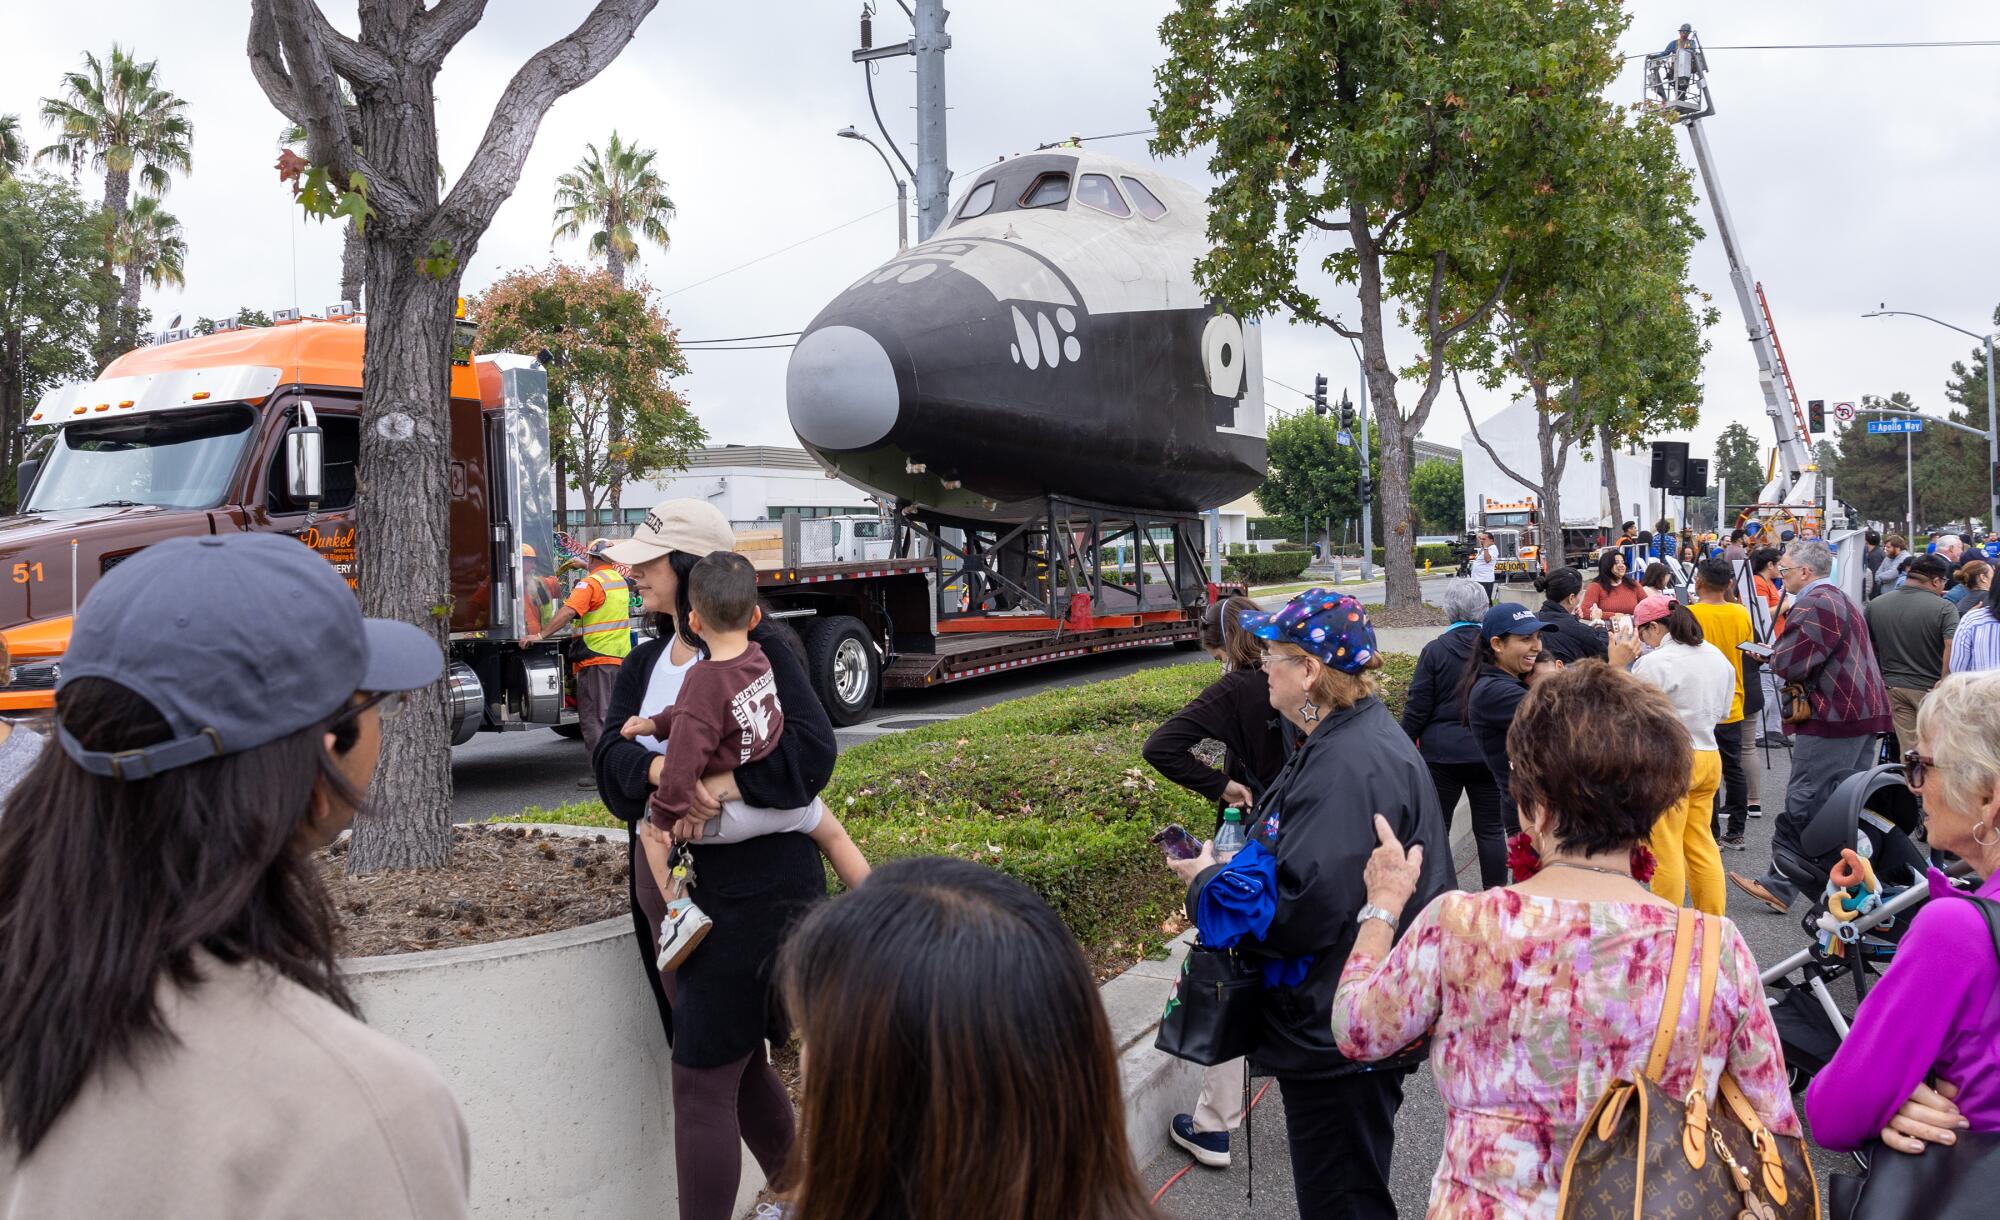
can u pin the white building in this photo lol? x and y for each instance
(748, 483)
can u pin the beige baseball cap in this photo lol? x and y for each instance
(694, 526)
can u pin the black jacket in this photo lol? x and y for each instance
(753, 890)
(1573, 639)
(1431, 709)
(1494, 698)
(1235, 710)
(1318, 819)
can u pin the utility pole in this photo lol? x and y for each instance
(932, 172)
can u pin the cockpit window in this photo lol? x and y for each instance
(1048, 191)
(976, 202)
(1147, 202)
(1096, 191)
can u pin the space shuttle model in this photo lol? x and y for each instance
(1048, 344)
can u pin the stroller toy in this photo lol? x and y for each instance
(1852, 891)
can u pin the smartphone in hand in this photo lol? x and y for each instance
(1177, 843)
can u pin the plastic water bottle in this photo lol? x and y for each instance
(1230, 837)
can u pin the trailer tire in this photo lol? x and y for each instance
(846, 673)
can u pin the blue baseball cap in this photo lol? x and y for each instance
(1508, 618)
(236, 641)
(1331, 626)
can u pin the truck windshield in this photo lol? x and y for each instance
(173, 459)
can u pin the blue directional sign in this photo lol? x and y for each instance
(1895, 425)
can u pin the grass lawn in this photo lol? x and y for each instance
(1050, 789)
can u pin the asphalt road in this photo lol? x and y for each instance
(1219, 1195)
(496, 774)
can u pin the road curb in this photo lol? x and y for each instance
(1155, 1085)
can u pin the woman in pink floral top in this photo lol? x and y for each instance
(1539, 996)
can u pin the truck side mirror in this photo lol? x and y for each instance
(305, 459)
(24, 478)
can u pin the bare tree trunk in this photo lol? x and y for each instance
(353, 265)
(404, 539)
(614, 262)
(1555, 457)
(1399, 553)
(117, 201)
(1608, 453)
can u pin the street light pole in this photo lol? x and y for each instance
(902, 188)
(1992, 422)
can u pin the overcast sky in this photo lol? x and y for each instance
(1854, 176)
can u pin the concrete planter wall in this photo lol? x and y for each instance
(552, 1046)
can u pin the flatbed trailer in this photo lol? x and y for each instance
(874, 626)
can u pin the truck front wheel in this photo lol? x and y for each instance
(845, 670)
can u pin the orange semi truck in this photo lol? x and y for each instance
(258, 428)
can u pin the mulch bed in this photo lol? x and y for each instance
(501, 884)
(1425, 615)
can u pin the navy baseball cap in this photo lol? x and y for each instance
(236, 641)
(1508, 618)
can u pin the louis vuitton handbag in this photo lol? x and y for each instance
(1644, 1155)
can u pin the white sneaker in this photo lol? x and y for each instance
(681, 930)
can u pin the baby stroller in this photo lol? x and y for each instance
(1862, 903)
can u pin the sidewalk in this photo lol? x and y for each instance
(1208, 1194)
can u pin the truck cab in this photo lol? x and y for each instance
(258, 429)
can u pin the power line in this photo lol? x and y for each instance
(1294, 389)
(783, 334)
(780, 250)
(756, 347)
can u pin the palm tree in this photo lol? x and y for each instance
(617, 194)
(12, 151)
(117, 118)
(148, 245)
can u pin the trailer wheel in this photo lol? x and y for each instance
(846, 674)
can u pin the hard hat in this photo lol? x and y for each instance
(1686, 28)
(527, 551)
(598, 545)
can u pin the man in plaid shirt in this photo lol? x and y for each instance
(1825, 648)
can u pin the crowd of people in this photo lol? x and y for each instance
(211, 1059)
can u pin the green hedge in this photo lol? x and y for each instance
(1050, 789)
(1268, 568)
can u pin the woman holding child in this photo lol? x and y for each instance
(716, 1005)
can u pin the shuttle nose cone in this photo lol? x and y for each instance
(841, 389)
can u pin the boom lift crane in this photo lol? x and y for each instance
(1676, 87)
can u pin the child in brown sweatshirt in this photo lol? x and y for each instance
(726, 715)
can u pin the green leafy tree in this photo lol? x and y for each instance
(116, 117)
(51, 242)
(1437, 494)
(1414, 136)
(1737, 465)
(613, 415)
(619, 197)
(13, 153)
(1595, 323)
(1310, 477)
(148, 247)
(244, 317)
(378, 162)
(1951, 465)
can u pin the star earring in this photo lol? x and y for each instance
(1309, 712)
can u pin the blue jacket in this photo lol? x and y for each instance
(1291, 895)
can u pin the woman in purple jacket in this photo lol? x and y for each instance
(1923, 1059)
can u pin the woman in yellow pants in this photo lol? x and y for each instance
(1700, 682)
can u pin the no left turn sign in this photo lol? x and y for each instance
(1843, 411)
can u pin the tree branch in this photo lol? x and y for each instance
(1330, 226)
(439, 30)
(1505, 469)
(556, 69)
(267, 63)
(361, 64)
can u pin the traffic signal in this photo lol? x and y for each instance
(1346, 412)
(1816, 415)
(1319, 395)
